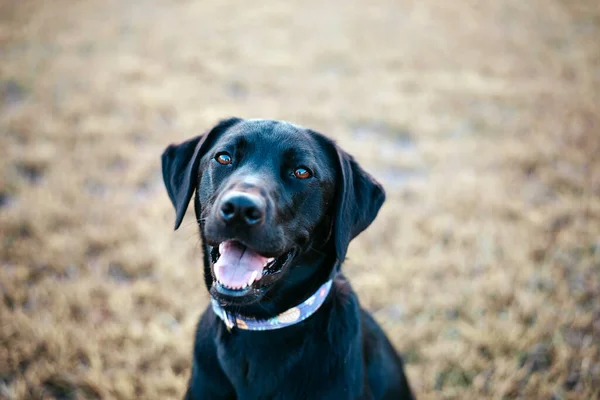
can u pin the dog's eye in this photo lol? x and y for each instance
(223, 158)
(302, 173)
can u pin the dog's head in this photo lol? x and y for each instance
(276, 204)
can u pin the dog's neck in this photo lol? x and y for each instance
(289, 317)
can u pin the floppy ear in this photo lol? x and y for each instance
(358, 200)
(180, 166)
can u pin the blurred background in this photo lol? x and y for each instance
(481, 119)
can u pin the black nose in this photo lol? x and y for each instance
(242, 208)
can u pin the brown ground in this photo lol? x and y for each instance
(482, 119)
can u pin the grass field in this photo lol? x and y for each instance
(481, 119)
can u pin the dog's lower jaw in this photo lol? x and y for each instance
(257, 286)
(305, 274)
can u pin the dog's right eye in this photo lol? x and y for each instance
(223, 158)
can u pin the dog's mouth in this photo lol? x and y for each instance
(238, 270)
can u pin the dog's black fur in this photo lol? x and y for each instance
(339, 352)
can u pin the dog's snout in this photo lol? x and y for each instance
(242, 208)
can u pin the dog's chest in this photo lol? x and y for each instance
(270, 364)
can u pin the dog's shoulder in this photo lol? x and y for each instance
(206, 332)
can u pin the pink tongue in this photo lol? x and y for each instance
(237, 265)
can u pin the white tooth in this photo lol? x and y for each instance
(252, 278)
(270, 260)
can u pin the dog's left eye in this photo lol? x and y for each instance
(223, 158)
(302, 173)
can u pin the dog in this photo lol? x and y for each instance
(277, 206)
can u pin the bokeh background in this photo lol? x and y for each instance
(481, 118)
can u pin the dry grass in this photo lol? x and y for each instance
(481, 118)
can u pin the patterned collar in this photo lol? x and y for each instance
(286, 318)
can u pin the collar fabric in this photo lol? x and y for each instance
(286, 318)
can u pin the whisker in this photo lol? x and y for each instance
(311, 248)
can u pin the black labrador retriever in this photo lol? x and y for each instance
(277, 206)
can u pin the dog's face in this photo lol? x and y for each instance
(269, 197)
(263, 189)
